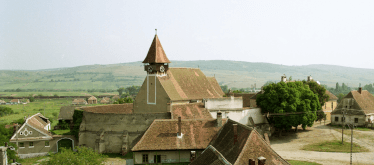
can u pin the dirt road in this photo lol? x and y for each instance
(289, 146)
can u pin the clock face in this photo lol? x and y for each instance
(150, 69)
(162, 69)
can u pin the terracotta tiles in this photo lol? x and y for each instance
(162, 135)
(190, 111)
(114, 108)
(156, 53)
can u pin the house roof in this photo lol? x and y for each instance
(114, 108)
(14, 100)
(363, 104)
(249, 145)
(104, 100)
(187, 84)
(331, 96)
(215, 85)
(211, 156)
(162, 135)
(156, 53)
(36, 121)
(2, 101)
(66, 113)
(115, 97)
(190, 111)
(92, 98)
(79, 101)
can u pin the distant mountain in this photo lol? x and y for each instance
(232, 73)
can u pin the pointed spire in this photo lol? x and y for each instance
(156, 53)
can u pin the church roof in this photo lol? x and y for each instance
(190, 111)
(156, 53)
(188, 84)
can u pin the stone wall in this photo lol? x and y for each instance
(166, 156)
(224, 103)
(115, 133)
(348, 119)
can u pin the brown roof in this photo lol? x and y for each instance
(92, 98)
(215, 85)
(187, 84)
(105, 100)
(246, 98)
(114, 108)
(190, 111)
(162, 135)
(156, 53)
(364, 103)
(66, 113)
(250, 144)
(79, 101)
(115, 97)
(36, 121)
(331, 96)
(14, 100)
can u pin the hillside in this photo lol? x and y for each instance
(232, 73)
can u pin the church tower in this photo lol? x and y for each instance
(156, 62)
(156, 65)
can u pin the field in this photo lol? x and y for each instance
(27, 94)
(45, 106)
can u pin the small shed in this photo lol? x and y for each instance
(92, 100)
(66, 113)
(79, 102)
(105, 100)
(14, 101)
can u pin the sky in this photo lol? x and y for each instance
(54, 34)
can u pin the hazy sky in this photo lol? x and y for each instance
(51, 34)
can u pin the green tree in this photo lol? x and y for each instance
(83, 156)
(120, 90)
(319, 90)
(340, 97)
(133, 90)
(268, 83)
(290, 79)
(224, 88)
(291, 97)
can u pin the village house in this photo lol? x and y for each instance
(34, 138)
(115, 98)
(25, 101)
(92, 100)
(66, 115)
(238, 144)
(174, 141)
(15, 101)
(358, 107)
(105, 100)
(330, 104)
(165, 94)
(2, 102)
(79, 102)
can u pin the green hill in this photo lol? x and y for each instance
(232, 73)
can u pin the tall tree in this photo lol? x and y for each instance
(291, 97)
(120, 90)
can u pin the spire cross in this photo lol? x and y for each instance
(156, 31)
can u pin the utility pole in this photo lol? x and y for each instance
(343, 124)
(351, 141)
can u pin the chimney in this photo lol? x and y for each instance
(360, 90)
(252, 162)
(179, 126)
(235, 126)
(219, 119)
(261, 160)
(283, 78)
(310, 78)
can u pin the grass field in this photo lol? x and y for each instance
(298, 162)
(27, 94)
(47, 107)
(334, 146)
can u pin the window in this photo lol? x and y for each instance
(31, 144)
(21, 144)
(356, 120)
(157, 158)
(47, 143)
(192, 155)
(145, 158)
(332, 105)
(336, 118)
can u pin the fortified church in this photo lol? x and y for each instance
(177, 114)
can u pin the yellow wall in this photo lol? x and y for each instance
(328, 107)
(141, 105)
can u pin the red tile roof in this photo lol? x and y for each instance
(114, 108)
(190, 111)
(331, 96)
(249, 144)
(92, 98)
(215, 85)
(364, 103)
(187, 84)
(162, 135)
(156, 53)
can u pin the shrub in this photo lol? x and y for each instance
(5, 111)
(83, 156)
(55, 114)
